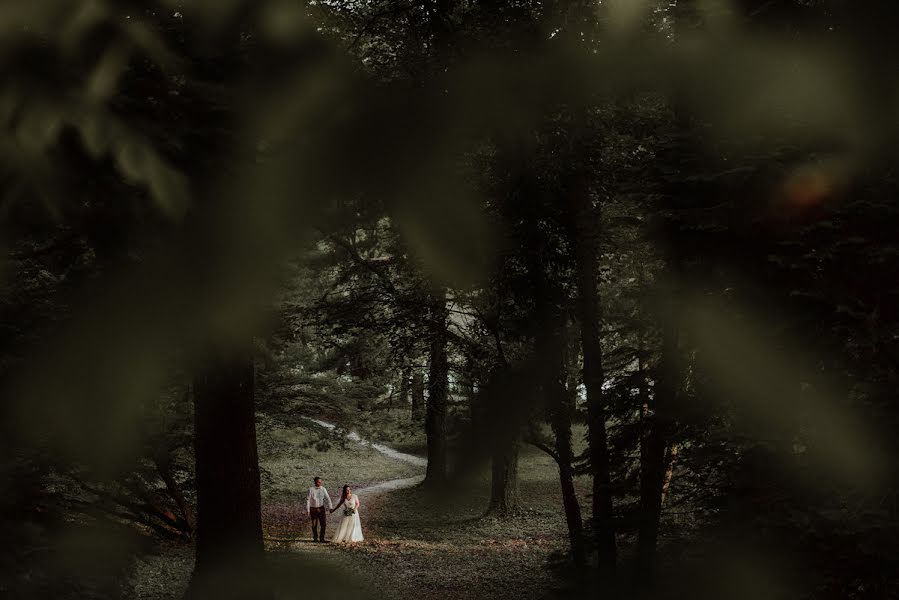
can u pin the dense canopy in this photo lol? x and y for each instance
(580, 297)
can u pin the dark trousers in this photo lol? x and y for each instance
(319, 519)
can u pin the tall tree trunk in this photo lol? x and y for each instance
(561, 425)
(418, 394)
(229, 548)
(229, 551)
(504, 479)
(504, 450)
(653, 460)
(584, 224)
(438, 384)
(550, 346)
(657, 420)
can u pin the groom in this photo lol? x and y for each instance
(315, 508)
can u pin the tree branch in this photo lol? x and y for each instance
(542, 446)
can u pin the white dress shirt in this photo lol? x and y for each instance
(318, 496)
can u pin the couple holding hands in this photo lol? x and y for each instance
(349, 529)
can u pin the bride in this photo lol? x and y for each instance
(350, 528)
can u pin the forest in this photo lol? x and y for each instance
(584, 298)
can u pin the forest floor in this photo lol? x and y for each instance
(416, 544)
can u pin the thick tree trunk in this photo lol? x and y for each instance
(438, 384)
(504, 480)
(583, 226)
(658, 423)
(504, 438)
(654, 464)
(229, 549)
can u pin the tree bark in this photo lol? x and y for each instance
(653, 461)
(438, 384)
(504, 480)
(504, 448)
(657, 420)
(583, 226)
(572, 506)
(550, 346)
(229, 548)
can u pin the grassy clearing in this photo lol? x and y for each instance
(292, 453)
(394, 428)
(418, 545)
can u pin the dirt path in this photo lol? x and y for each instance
(301, 543)
(165, 573)
(391, 484)
(385, 450)
(416, 544)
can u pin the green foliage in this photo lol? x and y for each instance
(184, 176)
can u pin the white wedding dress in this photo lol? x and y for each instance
(350, 528)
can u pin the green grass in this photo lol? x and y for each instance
(419, 545)
(291, 454)
(394, 428)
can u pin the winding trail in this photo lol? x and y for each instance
(384, 486)
(166, 575)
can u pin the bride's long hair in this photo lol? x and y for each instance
(345, 490)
